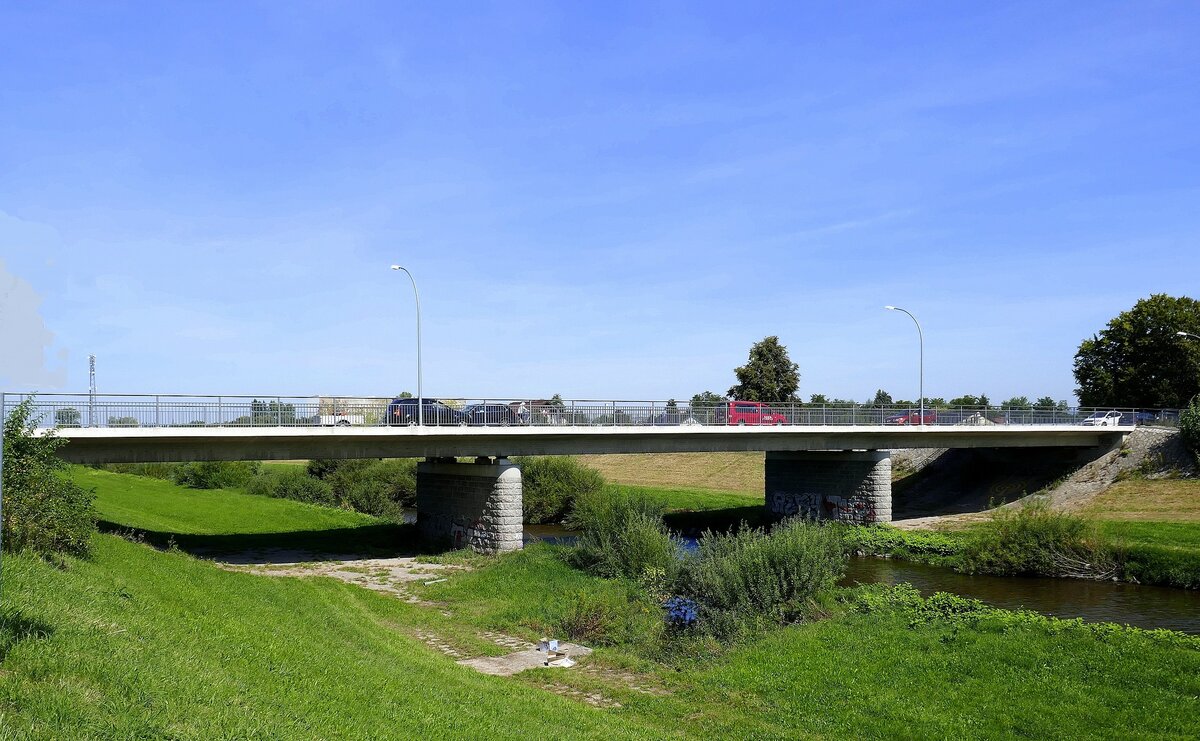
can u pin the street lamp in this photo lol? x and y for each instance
(1189, 334)
(420, 394)
(921, 341)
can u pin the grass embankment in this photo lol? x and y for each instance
(1145, 530)
(727, 472)
(145, 643)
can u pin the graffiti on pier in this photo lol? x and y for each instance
(824, 507)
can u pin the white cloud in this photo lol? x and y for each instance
(24, 337)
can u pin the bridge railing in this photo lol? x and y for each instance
(173, 410)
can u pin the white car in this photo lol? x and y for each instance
(1103, 419)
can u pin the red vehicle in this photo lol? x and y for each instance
(751, 413)
(912, 417)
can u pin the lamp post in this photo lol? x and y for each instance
(420, 394)
(1189, 334)
(921, 366)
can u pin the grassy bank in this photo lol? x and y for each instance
(728, 472)
(139, 642)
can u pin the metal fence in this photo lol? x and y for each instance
(173, 410)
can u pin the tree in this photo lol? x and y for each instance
(1047, 403)
(44, 512)
(818, 399)
(273, 413)
(556, 401)
(768, 375)
(970, 401)
(66, 417)
(1138, 360)
(1017, 402)
(882, 399)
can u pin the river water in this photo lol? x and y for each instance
(1094, 601)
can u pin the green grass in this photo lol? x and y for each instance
(146, 643)
(153, 504)
(1181, 535)
(682, 499)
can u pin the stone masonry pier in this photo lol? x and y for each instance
(850, 486)
(472, 505)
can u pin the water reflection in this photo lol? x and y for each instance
(1114, 602)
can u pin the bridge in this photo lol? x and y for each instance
(822, 461)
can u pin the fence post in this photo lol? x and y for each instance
(157, 412)
(220, 412)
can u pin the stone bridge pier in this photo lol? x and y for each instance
(473, 505)
(846, 485)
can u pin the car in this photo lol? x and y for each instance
(491, 415)
(1144, 418)
(1102, 419)
(911, 417)
(750, 413)
(404, 412)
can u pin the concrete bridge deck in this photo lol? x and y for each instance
(158, 444)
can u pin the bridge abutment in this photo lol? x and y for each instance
(847, 485)
(473, 505)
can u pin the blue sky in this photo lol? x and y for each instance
(599, 200)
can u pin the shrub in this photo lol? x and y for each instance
(621, 535)
(376, 487)
(748, 579)
(164, 471)
(43, 512)
(1034, 539)
(550, 485)
(912, 545)
(292, 484)
(1189, 425)
(216, 474)
(594, 617)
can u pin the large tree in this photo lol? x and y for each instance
(1139, 360)
(769, 374)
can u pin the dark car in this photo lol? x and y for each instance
(491, 415)
(404, 412)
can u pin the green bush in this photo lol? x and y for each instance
(747, 579)
(1154, 564)
(1034, 539)
(376, 487)
(550, 485)
(1189, 425)
(216, 474)
(595, 618)
(911, 545)
(621, 535)
(43, 512)
(165, 471)
(292, 484)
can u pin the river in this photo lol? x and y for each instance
(1094, 601)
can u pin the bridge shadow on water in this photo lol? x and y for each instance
(368, 541)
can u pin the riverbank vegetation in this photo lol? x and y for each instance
(145, 642)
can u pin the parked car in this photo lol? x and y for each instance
(491, 415)
(1144, 418)
(749, 413)
(404, 412)
(1103, 419)
(911, 417)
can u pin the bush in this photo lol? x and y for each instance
(748, 579)
(550, 485)
(43, 512)
(1034, 539)
(621, 535)
(911, 545)
(376, 487)
(292, 484)
(596, 618)
(1189, 425)
(216, 474)
(164, 471)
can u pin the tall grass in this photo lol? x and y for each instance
(621, 536)
(1033, 539)
(551, 484)
(749, 579)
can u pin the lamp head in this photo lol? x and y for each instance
(1182, 334)
(890, 308)
(397, 267)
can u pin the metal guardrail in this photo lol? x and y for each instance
(174, 410)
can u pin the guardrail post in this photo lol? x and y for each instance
(157, 412)
(279, 412)
(220, 412)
